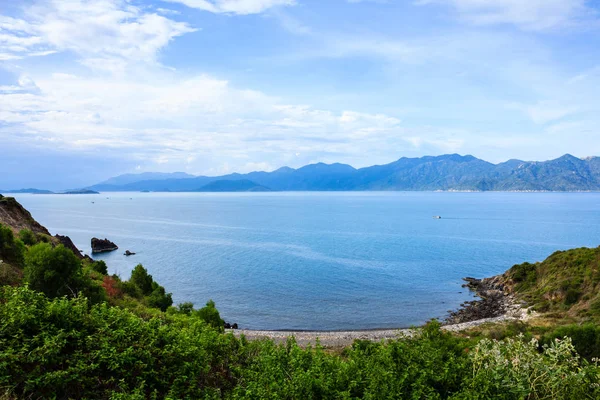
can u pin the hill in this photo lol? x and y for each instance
(243, 185)
(567, 283)
(447, 172)
(30, 190)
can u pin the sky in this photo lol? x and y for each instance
(90, 89)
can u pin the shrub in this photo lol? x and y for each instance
(55, 271)
(585, 338)
(210, 315)
(28, 237)
(12, 250)
(100, 267)
(141, 279)
(515, 369)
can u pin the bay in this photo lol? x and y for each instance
(323, 260)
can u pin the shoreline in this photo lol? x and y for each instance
(495, 304)
(336, 339)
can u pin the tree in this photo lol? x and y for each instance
(54, 271)
(210, 315)
(100, 266)
(141, 279)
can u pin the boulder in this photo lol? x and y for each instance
(103, 245)
(128, 253)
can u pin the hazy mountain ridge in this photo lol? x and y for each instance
(446, 172)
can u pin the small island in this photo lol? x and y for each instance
(103, 245)
(81, 191)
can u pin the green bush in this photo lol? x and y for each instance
(28, 237)
(515, 369)
(585, 338)
(141, 279)
(57, 272)
(210, 315)
(100, 267)
(142, 285)
(66, 348)
(12, 250)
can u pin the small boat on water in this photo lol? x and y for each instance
(437, 217)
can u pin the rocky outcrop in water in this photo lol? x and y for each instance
(128, 253)
(495, 301)
(103, 245)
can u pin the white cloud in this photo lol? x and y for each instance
(544, 112)
(527, 14)
(107, 34)
(172, 120)
(235, 6)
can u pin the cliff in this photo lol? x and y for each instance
(13, 214)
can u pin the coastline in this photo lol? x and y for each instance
(336, 339)
(496, 304)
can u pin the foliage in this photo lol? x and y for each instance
(515, 369)
(142, 285)
(566, 282)
(210, 315)
(70, 348)
(57, 272)
(28, 237)
(100, 267)
(12, 250)
(585, 338)
(67, 348)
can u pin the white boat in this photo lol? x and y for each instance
(437, 217)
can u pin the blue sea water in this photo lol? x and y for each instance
(324, 261)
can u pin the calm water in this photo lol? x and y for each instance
(323, 260)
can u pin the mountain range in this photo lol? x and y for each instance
(446, 173)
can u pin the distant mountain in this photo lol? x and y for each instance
(243, 185)
(446, 172)
(145, 176)
(30, 190)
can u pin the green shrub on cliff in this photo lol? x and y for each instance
(27, 237)
(57, 272)
(210, 315)
(567, 282)
(142, 286)
(12, 250)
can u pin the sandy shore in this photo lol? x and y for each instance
(345, 338)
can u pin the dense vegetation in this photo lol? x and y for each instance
(567, 283)
(70, 348)
(69, 330)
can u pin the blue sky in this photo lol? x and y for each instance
(93, 88)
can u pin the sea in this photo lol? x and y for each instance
(322, 260)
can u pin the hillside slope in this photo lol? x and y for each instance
(566, 283)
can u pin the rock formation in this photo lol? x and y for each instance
(102, 245)
(13, 215)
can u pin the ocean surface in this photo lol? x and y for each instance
(323, 261)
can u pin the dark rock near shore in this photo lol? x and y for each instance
(495, 301)
(230, 326)
(102, 245)
(128, 253)
(68, 243)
